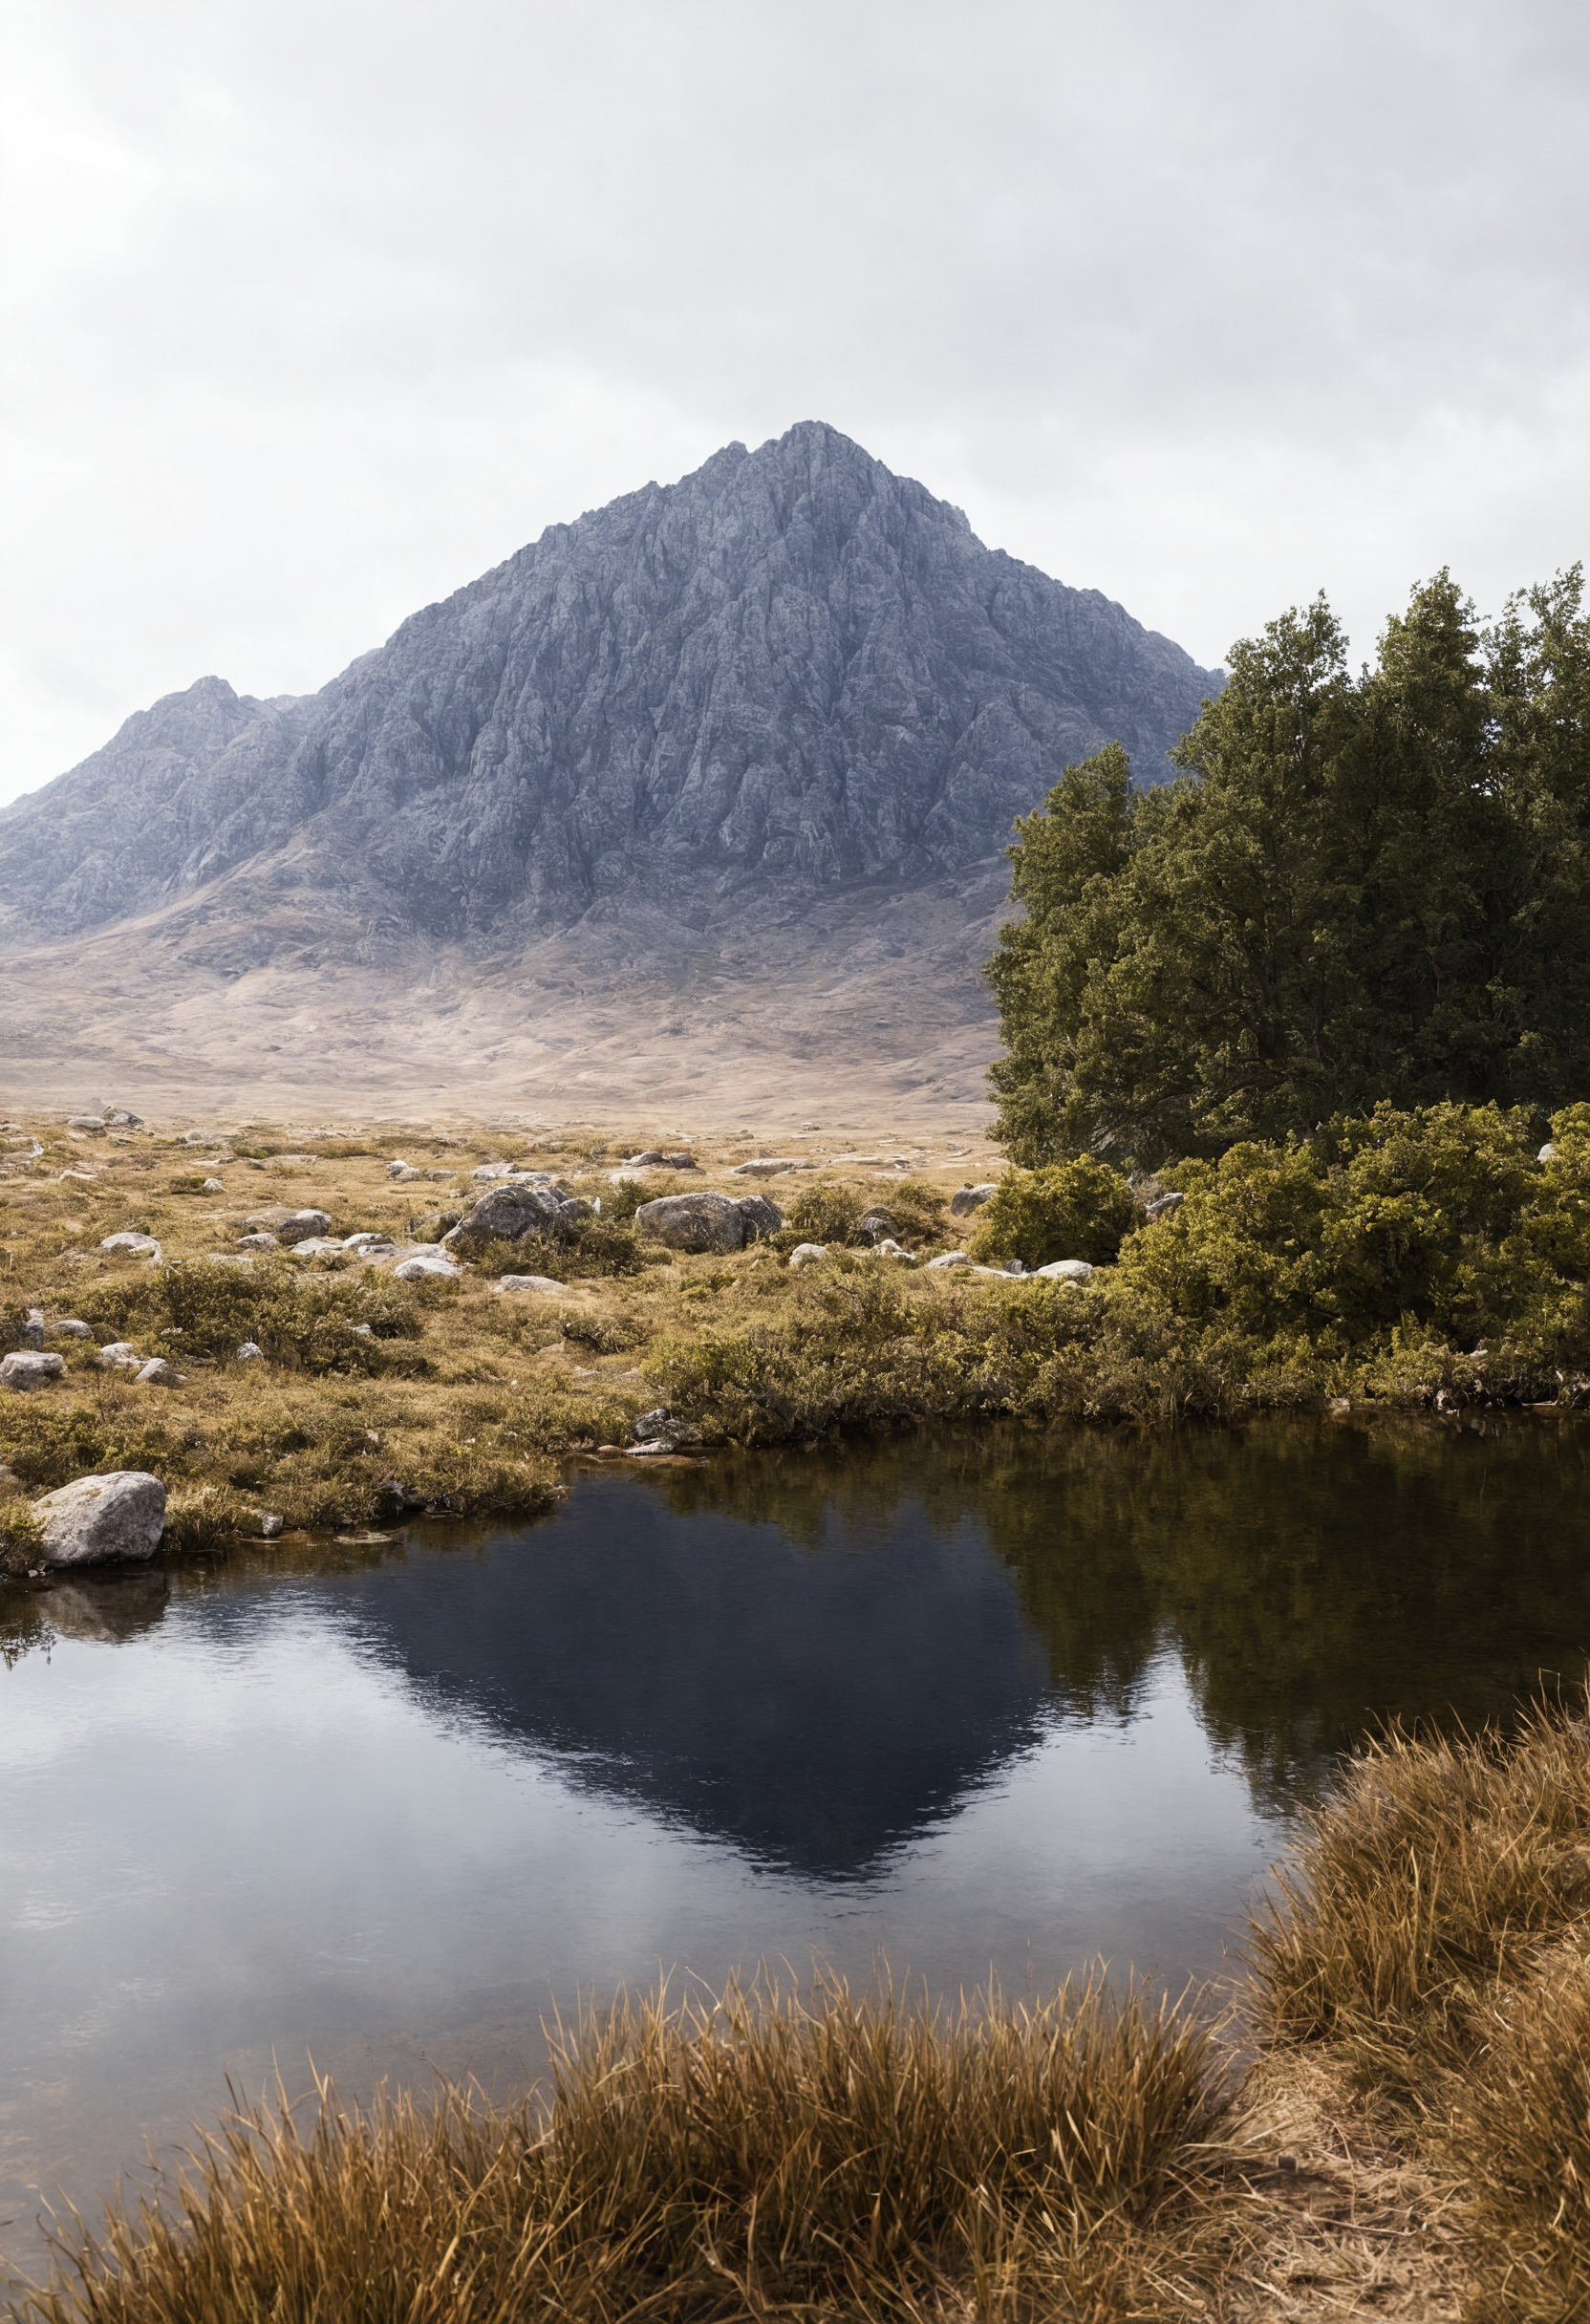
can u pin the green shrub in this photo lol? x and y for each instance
(604, 1335)
(1069, 1209)
(822, 1211)
(203, 1309)
(592, 1247)
(203, 1518)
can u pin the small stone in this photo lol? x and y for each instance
(251, 1352)
(368, 1241)
(679, 1162)
(136, 1246)
(950, 1259)
(85, 1121)
(316, 1246)
(121, 1119)
(119, 1352)
(27, 1368)
(70, 1327)
(158, 1373)
(119, 1514)
(402, 1171)
(425, 1264)
(767, 1166)
(213, 1186)
(970, 1199)
(270, 1524)
(808, 1255)
(547, 1285)
(651, 1159)
(493, 1170)
(302, 1226)
(362, 1331)
(261, 1240)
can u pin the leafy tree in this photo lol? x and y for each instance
(1081, 1209)
(1361, 889)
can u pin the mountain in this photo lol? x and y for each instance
(732, 727)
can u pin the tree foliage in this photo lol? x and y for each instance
(1361, 889)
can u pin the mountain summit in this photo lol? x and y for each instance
(791, 688)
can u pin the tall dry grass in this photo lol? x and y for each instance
(1433, 1928)
(749, 2154)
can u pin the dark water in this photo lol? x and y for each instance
(978, 1706)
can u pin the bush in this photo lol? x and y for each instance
(604, 1335)
(204, 1518)
(203, 1309)
(1070, 1210)
(823, 1212)
(592, 1246)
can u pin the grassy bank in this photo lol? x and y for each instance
(1413, 2138)
(1401, 1261)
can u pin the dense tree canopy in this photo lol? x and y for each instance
(1362, 889)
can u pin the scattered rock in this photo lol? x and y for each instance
(83, 1177)
(1547, 1153)
(679, 1162)
(548, 1285)
(85, 1121)
(1164, 1206)
(950, 1259)
(27, 1368)
(251, 1352)
(270, 1524)
(442, 1174)
(368, 1245)
(212, 1186)
(70, 1327)
(511, 1211)
(120, 1119)
(119, 1514)
(262, 1239)
(766, 1167)
(651, 1159)
(761, 1217)
(158, 1373)
(301, 1226)
(889, 1248)
(695, 1222)
(808, 1255)
(1066, 1271)
(878, 1225)
(402, 1171)
(423, 1264)
(317, 1246)
(33, 1328)
(970, 1199)
(119, 1356)
(136, 1246)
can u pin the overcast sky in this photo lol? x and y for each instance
(314, 309)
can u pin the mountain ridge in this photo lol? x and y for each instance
(781, 705)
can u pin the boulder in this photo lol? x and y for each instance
(889, 1248)
(950, 1259)
(1547, 1153)
(70, 1327)
(33, 1328)
(135, 1246)
(546, 1286)
(262, 1239)
(27, 1367)
(316, 1246)
(493, 1170)
(120, 1355)
(251, 1352)
(300, 1226)
(85, 1121)
(761, 1217)
(970, 1199)
(878, 1226)
(402, 1171)
(651, 1159)
(516, 1209)
(213, 1186)
(158, 1373)
(423, 1264)
(368, 1245)
(1164, 1206)
(808, 1255)
(1066, 1271)
(766, 1166)
(119, 1514)
(697, 1222)
(120, 1119)
(679, 1162)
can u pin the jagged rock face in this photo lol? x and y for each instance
(792, 668)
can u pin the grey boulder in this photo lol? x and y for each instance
(515, 1209)
(28, 1368)
(423, 1264)
(94, 1519)
(761, 1216)
(136, 1246)
(1066, 1271)
(969, 1199)
(694, 1222)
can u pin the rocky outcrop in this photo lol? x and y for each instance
(95, 1520)
(791, 671)
(514, 1208)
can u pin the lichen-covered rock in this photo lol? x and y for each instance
(694, 1222)
(515, 1207)
(119, 1514)
(761, 1216)
(27, 1367)
(970, 1199)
